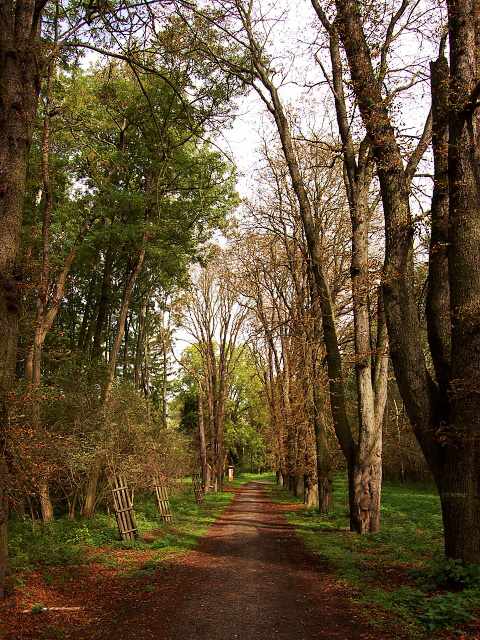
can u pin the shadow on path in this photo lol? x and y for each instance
(251, 578)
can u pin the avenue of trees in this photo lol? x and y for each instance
(437, 376)
(335, 324)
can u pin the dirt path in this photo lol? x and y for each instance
(250, 578)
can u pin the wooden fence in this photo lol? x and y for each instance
(124, 513)
(163, 503)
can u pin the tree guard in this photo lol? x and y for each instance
(124, 512)
(163, 502)
(198, 489)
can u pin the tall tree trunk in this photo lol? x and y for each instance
(165, 346)
(46, 505)
(321, 286)
(103, 304)
(460, 481)
(127, 295)
(438, 291)
(95, 472)
(219, 421)
(400, 304)
(371, 390)
(84, 331)
(324, 481)
(368, 465)
(212, 399)
(446, 427)
(320, 411)
(125, 348)
(202, 439)
(90, 502)
(20, 72)
(140, 346)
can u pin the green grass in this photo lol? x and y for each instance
(65, 542)
(400, 569)
(244, 477)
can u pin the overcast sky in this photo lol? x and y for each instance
(296, 29)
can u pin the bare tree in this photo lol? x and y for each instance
(214, 319)
(245, 28)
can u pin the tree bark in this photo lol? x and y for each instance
(127, 295)
(370, 376)
(140, 346)
(202, 439)
(460, 483)
(90, 501)
(84, 331)
(447, 428)
(103, 304)
(438, 291)
(45, 501)
(20, 73)
(400, 305)
(320, 411)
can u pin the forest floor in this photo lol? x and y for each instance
(249, 577)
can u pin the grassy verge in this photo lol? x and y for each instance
(399, 570)
(65, 542)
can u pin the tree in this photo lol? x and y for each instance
(275, 279)
(214, 318)
(244, 25)
(19, 86)
(442, 405)
(161, 190)
(34, 33)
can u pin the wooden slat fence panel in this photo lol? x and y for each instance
(198, 487)
(163, 502)
(124, 513)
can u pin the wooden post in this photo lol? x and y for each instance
(123, 506)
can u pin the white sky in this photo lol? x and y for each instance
(291, 38)
(296, 30)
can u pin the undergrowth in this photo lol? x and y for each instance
(401, 569)
(65, 542)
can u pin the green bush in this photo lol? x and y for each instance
(64, 541)
(448, 610)
(61, 542)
